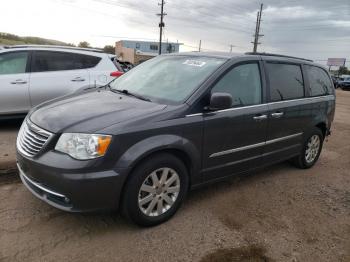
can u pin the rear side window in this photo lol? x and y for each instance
(286, 81)
(243, 83)
(58, 61)
(320, 84)
(13, 63)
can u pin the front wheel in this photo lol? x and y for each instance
(311, 149)
(155, 190)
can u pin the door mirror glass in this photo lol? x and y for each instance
(219, 101)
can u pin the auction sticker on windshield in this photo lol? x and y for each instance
(194, 63)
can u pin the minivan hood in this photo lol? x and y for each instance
(90, 111)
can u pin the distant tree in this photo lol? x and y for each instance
(109, 49)
(343, 70)
(84, 44)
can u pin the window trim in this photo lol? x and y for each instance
(316, 98)
(231, 67)
(33, 55)
(268, 84)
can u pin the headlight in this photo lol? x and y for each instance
(83, 146)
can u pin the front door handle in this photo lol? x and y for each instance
(260, 117)
(78, 79)
(277, 114)
(19, 82)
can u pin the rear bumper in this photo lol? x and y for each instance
(74, 192)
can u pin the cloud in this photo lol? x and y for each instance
(310, 28)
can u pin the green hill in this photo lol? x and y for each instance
(10, 39)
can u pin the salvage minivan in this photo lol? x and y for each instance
(172, 124)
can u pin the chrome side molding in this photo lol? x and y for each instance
(268, 142)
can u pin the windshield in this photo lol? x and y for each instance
(168, 79)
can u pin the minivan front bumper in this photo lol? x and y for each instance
(74, 192)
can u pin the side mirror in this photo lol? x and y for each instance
(219, 101)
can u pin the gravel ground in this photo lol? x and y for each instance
(277, 214)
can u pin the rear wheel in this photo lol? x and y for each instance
(311, 149)
(155, 190)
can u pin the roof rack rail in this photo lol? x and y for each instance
(54, 46)
(277, 55)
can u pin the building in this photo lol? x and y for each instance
(136, 52)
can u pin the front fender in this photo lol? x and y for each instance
(153, 144)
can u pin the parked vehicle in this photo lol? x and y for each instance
(30, 75)
(335, 80)
(344, 84)
(171, 124)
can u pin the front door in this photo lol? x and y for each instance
(234, 138)
(14, 82)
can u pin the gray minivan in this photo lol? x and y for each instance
(171, 124)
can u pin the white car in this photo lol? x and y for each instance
(30, 75)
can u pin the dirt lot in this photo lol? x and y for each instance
(278, 214)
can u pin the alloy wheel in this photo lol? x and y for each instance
(312, 148)
(159, 192)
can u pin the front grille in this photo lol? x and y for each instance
(31, 139)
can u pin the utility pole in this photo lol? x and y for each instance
(257, 30)
(200, 45)
(161, 25)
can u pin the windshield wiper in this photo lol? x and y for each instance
(127, 92)
(98, 87)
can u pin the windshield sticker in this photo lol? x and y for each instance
(194, 63)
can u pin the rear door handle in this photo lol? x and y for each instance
(277, 114)
(260, 117)
(19, 82)
(78, 79)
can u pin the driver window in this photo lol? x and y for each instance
(243, 83)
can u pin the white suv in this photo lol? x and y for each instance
(30, 75)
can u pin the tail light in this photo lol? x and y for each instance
(116, 73)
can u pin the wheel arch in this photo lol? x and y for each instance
(178, 146)
(323, 127)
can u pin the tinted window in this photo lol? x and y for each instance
(286, 81)
(57, 61)
(13, 63)
(320, 84)
(243, 83)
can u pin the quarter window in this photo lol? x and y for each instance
(243, 83)
(13, 63)
(320, 84)
(286, 81)
(58, 61)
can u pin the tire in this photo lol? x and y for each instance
(303, 161)
(143, 187)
